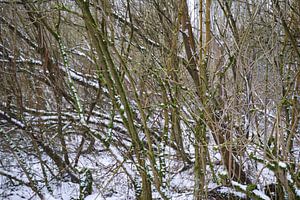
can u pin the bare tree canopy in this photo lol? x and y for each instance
(152, 99)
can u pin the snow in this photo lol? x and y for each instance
(261, 195)
(297, 192)
(226, 190)
(49, 197)
(152, 42)
(282, 165)
(258, 193)
(98, 196)
(181, 182)
(236, 184)
(186, 32)
(223, 173)
(81, 78)
(113, 163)
(9, 174)
(15, 121)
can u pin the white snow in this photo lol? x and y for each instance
(258, 193)
(236, 184)
(15, 121)
(81, 78)
(261, 195)
(282, 165)
(49, 197)
(226, 190)
(223, 173)
(98, 196)
(297, 192)
(186, 32)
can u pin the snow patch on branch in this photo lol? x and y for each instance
(261, 195)
(13, 120)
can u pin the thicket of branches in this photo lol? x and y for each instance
(149, 83)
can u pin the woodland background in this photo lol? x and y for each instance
(149, 99)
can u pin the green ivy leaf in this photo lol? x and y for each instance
(251, 187)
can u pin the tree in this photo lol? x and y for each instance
(149, 84)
